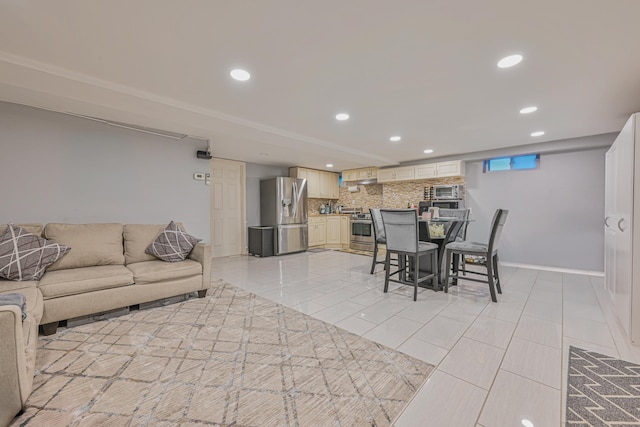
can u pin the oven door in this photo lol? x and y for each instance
(453, 204)
(361, 235)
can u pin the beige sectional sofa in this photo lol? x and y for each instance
(106, 269)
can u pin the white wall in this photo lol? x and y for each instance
(555, 212)
(59, 168)
(256, 173)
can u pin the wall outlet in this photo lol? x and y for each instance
(199, 176)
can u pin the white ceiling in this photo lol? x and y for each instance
(425, 70)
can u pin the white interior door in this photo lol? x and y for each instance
(228, 213)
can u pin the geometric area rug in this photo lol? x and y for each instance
(602, 390)
(231, 358)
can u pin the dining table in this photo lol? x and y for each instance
(451, 229)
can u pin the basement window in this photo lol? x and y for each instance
(529, 161)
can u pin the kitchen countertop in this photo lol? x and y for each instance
(325, 215)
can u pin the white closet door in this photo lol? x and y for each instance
(621, 224)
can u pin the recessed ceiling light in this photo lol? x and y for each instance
(538, 133)
(329, 165)
(526, 423)
(527, 110)
(428, 151)
(342, 116)
(395, 138)
(509, 61)
(242, 75)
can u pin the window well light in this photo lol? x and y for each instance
(342, 116)
(428, 151)
(528, 110)
(538, 133)
(509, 61)
(395, 138)
(239, 74)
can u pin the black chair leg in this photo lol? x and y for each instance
(495, 269)
(375, 257)
(416, 275)
(435, 269)
(447, 267)
(456, 268)
(387, 261)
(491, 280)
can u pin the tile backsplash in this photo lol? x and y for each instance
(393, 195)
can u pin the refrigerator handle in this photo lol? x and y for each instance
(295, 198)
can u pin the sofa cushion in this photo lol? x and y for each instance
(12, 286)
(36, 229)
(137, 238)
(173, 244)
(74, 281)
(25, 256)
(149, 272)
(91, 244)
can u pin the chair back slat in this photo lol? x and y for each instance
(400, 229)
(499, 219)
(378, 226)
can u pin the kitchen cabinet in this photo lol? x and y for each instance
(345, 231)
(317, 231)
(426, 171)
(320, 184)
(333, 231)
(439, 170)
(359, 174)
(622, 237)
(404, 173)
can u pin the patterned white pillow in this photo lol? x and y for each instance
(25, 256)
(173, 244)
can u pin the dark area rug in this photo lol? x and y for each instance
(602, 390)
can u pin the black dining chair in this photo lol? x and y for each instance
(379, 237)
(488, 251)
(401, 232)
(462, 214)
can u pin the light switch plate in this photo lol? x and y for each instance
(198, 176)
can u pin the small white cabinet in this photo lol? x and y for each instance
(359, 174)
(440, 170)
(345, 231)
(333, 231)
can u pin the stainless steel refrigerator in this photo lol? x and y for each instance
(283, 205)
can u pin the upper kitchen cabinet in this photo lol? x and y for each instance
(405, 173)
(440, 170)
(359, 174)
(320, 184)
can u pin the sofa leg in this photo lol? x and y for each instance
(202, 293)
(49, 328)
(134, 307)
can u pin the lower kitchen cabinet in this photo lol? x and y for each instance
(332, 231)
(317, 231)
(345, 231)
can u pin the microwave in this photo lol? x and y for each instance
(447, 192)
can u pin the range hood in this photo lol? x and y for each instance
(363, 181)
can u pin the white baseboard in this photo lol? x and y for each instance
(557, 269)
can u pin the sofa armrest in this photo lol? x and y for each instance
(14, 388)
(202, 254)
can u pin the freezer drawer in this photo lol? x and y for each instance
(292, 238)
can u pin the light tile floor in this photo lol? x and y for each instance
(497, 364)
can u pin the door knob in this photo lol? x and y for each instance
(620, 224)
(606, 223)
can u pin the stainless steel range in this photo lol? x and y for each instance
(362, 232)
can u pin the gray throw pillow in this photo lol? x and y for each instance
(172, 245)
(25, 256)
